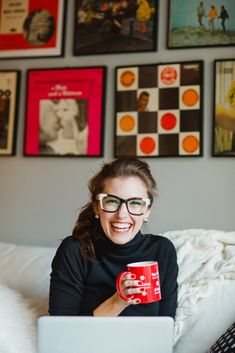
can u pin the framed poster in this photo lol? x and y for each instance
(105, 27)
(158, 110)
(200, 24)
(9, 95)
(31, 28)
(224, 108)
(65, 112)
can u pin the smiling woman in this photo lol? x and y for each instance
(122, 217)
(106, 237)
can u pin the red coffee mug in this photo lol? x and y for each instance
(147, 274)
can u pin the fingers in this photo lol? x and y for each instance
(129, 276)
(130, 292)
(130, 283)
(128, 287)
(131, 286)
(133, 301)
(135, 290)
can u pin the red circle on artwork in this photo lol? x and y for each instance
(168, 121)
(147, 145)
(168, 75)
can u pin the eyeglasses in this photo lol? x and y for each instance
(136, 206)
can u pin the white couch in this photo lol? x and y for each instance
(206, 306)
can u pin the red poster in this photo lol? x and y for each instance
(31, 28)
(65, 112)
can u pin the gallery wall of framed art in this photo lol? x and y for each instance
(94, 39)
(193, 177)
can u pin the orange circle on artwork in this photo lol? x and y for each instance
(190, 144)
(127, 123)
(127, 78)
(147, 145)
(190, 97)
(168, 121)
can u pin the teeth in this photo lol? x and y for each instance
(121, 225)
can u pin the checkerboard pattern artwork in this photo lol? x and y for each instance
(159, 110)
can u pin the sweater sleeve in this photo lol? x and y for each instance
(67, 280)
(169, 285)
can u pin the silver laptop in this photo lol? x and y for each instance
(76, 334)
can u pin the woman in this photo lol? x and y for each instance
(105, 239)
(212, 17)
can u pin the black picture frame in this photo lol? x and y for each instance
(32, 29)
(9, 100)
(159, 110)
(223, 141)
(115, 27)
(199, 24)
(65, 112)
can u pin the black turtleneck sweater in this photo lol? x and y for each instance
(78, 286)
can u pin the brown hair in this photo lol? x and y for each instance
(87, 228)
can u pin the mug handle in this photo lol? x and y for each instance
(118, 286)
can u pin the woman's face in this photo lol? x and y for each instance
(49, 122)
(121, 226)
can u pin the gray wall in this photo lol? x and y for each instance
(40, 197)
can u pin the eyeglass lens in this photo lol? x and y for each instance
(134, 205)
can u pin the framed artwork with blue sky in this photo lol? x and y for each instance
(200, 24)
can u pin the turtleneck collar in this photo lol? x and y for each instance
(106, 246)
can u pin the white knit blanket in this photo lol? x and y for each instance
(204, 257)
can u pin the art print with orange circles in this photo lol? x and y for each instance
(159, 110)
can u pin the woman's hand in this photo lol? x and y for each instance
(114, 305)
(129, 286)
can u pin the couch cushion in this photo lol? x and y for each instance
(26, 268)
(209, 320)
(206, 280)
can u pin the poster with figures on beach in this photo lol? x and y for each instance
(31, 28)
(115, 26)
(9, 96)
(159, 110)
(194, 23)
(224, 108)
(65, 112)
